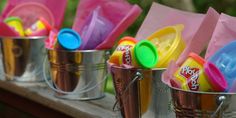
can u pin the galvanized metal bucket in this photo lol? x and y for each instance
(78, 75)
(190, 104)
(133, 90)
(22, 58)
(140, 93)
(162, 102)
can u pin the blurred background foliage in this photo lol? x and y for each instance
(200, 6)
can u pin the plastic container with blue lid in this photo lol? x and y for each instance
(225, 60)
(69, 39)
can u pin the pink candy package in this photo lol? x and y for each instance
(111, 11)
(224, 33)
(30, 10)
(197, 32)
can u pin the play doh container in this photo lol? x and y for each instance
(124, 44)
(169, 43)
(215, 77)
(143, 55)
(196, 75)
(191, 76)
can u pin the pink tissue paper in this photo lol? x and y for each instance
(56, 7)
(196, 34)
(224, 33)
(119, 12)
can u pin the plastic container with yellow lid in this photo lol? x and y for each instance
(169, 44)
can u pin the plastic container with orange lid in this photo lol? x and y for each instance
(124, 44)
(191, 74)
(169, 43)
(142, 55)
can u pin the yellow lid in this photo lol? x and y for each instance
(168, 40)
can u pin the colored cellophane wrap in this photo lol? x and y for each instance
(115, 21)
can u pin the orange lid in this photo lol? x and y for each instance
(197, 58)
(128, 38)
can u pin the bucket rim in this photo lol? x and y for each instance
(138, 69)
(23, 38)
(201, 92)
(78, 50)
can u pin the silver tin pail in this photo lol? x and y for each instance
(133, 89)
(78, 75)
(191, 104)
(162, 102)
(141, 93)
(22, 58)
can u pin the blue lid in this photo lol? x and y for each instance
(69, 39)
(225, 60)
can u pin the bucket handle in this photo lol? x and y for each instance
(138, 76)
(56, 89)
(38, 72)
(220, 100)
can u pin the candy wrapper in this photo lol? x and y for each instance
(198, 30)
(30, 10)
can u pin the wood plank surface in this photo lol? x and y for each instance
(40, 93)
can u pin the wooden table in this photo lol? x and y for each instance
(38, 100)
